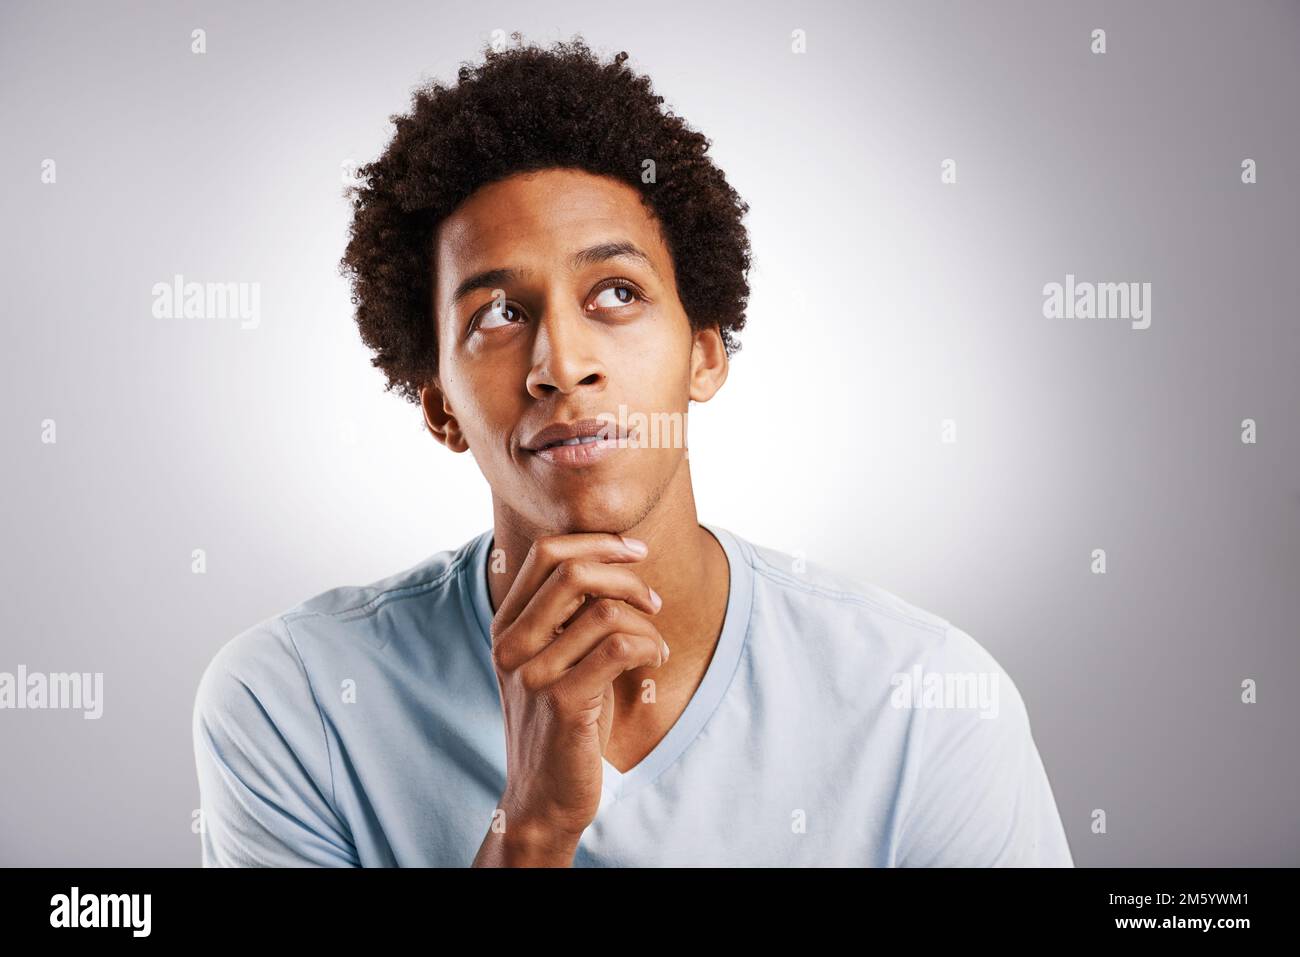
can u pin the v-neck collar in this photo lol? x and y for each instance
(617, 784)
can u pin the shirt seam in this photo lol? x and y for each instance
(772, 573)
(320, 713)
(923, 770)
(392, 594)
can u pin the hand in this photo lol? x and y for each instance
(573, 621)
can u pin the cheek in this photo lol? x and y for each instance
(492, 420)
(471, 402)
(661, 348)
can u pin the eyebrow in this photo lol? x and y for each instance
(601, 252)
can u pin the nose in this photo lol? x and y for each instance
(564, 356)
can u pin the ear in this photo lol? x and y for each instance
(708, 363)
(439, 419)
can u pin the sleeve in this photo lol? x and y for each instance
(981, 796)
(264, 772)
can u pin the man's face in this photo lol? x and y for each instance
(546, 313)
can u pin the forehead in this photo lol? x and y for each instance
(530, 220)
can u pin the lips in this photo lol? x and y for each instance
(579, 444)
(580, 432)
(581, 440)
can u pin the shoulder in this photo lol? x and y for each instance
(840, 602)
(976, 790)
(256, 683)
(921, 659)
(438, 572)
(271, 661)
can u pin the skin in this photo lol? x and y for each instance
(555, 342)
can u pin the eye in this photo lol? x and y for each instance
(498, 312)
(617, 293)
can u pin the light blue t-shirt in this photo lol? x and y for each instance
(836, 725)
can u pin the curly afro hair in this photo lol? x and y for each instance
(524, 109)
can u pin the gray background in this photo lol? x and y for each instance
(884, 302)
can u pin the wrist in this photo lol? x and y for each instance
(539, 842)
(527, 841)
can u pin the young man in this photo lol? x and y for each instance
(544, 255)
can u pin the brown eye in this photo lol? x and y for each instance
(493, 313)
(615, 296)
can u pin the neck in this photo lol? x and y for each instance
(686, 565)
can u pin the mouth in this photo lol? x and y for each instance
(583, 442)
(577, 440)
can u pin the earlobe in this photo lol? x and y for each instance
(439, 420)
(709, 364)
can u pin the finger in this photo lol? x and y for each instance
(561, 598)
(547, 552)
(598, 621)
(614, 655)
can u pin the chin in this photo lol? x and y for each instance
(595, 511)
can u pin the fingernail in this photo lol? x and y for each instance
(666, 651)
(656, 600)
(635, 545)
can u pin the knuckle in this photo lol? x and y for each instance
(501, 656)
(530, 679)
(567, 571)
(607, 611)
(618, 646)
(578, 571)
